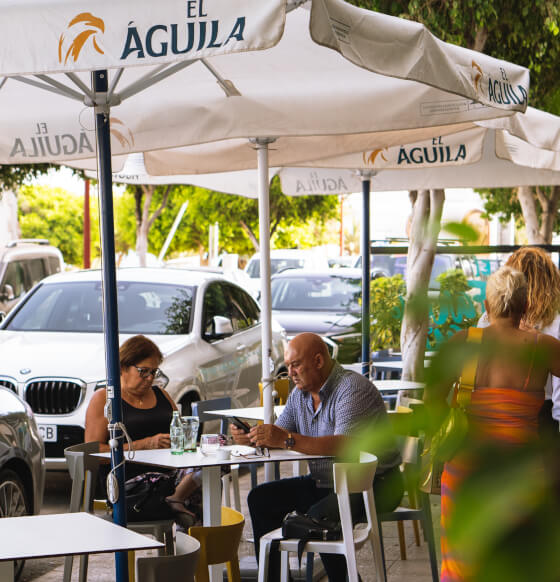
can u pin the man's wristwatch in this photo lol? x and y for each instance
(290, 442)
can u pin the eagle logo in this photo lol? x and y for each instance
(477, 75)
(370, 159)
(92, 26)
(121, 133)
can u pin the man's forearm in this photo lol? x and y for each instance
(325, 445)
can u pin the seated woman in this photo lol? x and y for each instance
(513, 366)
(147, 411)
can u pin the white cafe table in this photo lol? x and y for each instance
(251, 413)
(392, 385)
(211, 477)
(63, 534)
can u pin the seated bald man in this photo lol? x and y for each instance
(327, 405)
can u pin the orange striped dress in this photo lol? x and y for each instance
(498, 416)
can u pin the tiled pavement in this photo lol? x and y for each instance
(416, 568)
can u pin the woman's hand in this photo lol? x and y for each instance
(158, 441)
(240, 437)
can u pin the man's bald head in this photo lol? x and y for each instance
(308, 360)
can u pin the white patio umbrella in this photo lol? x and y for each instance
(508, 152)
(176, 79)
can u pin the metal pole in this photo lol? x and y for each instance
(110, 316)
(174, 227)
(265, 299)
(366, 274)
(87, 227)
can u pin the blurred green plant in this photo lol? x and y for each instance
(386, 308)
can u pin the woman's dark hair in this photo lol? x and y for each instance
(136, 349)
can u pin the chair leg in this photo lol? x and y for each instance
(233, 572)
(429, 533)
(253, 468)
(285, 566)
(402, 540)
(84, 561)
(379, 553)
(416, 531)
(264, 556)
(310, 559)
(226, 488)
(131, 566)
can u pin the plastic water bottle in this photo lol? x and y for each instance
(176, 434)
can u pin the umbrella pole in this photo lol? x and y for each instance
(366, 275)
(262, 144)
(110, 316)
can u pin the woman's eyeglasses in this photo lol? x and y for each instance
(145, 372)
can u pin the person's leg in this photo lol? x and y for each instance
(270, 502)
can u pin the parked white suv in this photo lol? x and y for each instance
(207, 327)
(23, 263)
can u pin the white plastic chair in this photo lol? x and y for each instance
(348, 478)
(178, 568)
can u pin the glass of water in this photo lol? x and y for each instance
(209, 444)
(190, 431)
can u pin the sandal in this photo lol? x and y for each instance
(183, 516)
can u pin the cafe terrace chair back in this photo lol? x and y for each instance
(84, 468)
(178, 568)
(418, 507)
(231, 480)
(219, 545)
(348, 478)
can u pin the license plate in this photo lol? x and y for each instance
(48, 432)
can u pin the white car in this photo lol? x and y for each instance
(282, 260)
(207, 328)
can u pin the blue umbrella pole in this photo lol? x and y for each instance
(110, 316)
(366, 276)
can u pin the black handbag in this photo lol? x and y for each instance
(145, 497)
(305, 528)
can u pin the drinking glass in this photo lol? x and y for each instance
(209, 444)
(190, 431)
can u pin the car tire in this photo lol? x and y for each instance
(186, 403)
(13, 503)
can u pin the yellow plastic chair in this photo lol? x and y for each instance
(282, 389)
(219, 545)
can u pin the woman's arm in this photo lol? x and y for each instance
(96, 428)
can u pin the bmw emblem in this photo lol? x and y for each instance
(25, 371)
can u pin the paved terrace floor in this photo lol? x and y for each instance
(416, 568)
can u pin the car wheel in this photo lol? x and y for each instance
(13, 503)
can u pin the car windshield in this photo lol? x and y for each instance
(316, 293)
(442, 263)
(276, 266)
(147, 308)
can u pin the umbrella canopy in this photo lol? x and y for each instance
(178, 78)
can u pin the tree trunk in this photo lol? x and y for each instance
(549, 207)
(528, 203)
(250, 234)
(426, 224)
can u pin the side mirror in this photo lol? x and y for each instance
(222, 326)
(2, 316)
(7, 293)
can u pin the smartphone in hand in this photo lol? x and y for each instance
(240, 424)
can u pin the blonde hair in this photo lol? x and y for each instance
(506, 293)
(543, 282)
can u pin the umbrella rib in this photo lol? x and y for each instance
(228, 87)
(80, 84)
(152, 78)
(114, 83)
(52, 86)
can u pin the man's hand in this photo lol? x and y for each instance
(240, 437)
(268, 435)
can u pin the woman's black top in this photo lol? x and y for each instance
(144, 422)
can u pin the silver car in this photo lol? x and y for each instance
(207, 328)
(22, 460)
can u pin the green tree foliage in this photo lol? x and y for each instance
(236, 216)
(387, 303)
(56, 215)
(12, 177)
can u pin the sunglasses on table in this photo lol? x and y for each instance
(145, 372)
